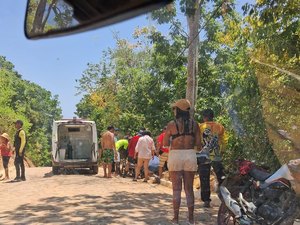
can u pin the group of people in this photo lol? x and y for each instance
(7, 150)
(138, 150)
(184, 144)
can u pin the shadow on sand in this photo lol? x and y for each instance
(70, 172)
(121, 208)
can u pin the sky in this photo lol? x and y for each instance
(56, 63)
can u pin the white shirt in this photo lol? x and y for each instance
(144, 147)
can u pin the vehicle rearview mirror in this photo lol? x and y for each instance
(49, 18)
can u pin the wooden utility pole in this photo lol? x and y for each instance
(193, 21)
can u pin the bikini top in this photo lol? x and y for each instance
(191, 133)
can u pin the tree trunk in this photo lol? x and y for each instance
(193, 55)
(38, 17)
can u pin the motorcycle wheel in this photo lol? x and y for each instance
(225, 216)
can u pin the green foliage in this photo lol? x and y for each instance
(21, 99)
(48, 15)
(228, 85)
(135, 83)
(124, 90)
(273, 30)
(275, 26)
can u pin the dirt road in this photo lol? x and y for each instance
(90, 199)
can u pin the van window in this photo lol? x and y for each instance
(73, 129)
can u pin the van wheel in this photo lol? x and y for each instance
(55, 170)
(95, 169)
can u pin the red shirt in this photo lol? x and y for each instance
(4, 150)
(131, 146)
(160, 140)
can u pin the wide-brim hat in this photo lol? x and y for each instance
(5, 135)
(182, 104)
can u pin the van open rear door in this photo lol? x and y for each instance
(74, 145)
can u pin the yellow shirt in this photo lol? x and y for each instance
(23, 141)
(209, 130)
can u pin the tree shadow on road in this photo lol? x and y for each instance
(121, 208)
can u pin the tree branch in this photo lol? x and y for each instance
(294, 75)
(284, 135)
(48, 13)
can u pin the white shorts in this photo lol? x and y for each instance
(182, 160)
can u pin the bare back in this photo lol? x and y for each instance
(107, 140)
(183, 141)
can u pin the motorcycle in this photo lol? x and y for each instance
(254, 196)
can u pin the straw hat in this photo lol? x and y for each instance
(5, 135)
(182, 104)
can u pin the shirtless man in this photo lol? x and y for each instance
(183, 137)
(108, 150)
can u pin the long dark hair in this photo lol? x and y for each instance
(185, 116)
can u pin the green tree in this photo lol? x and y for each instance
(273, 29)
(134, 84)
(125, 89)
(48, 15)
(34, 105)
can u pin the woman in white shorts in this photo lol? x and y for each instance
(183, 137)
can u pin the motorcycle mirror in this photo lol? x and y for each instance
(50, 18)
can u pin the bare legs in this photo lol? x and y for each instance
(176, 178)
(6, 177)
(104, 169)
(6, 174)
(188, 179)
(138, 168)
(160, 171)
(146, 168)
(140, 163)
(109, 167)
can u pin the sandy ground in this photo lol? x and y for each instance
(91, 199)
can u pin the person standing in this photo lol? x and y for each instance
(116, 160)
(163, 154)
(213, 141)
(183, 137)
(131, 152)
(20, 147)
(108, 150)
(145, 150)
(5, 150)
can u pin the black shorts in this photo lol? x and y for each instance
(5, 160)
(132, 160)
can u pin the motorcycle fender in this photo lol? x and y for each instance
(230, 202)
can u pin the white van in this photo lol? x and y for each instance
(74, 145)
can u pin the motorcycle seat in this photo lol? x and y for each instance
(259, 174)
